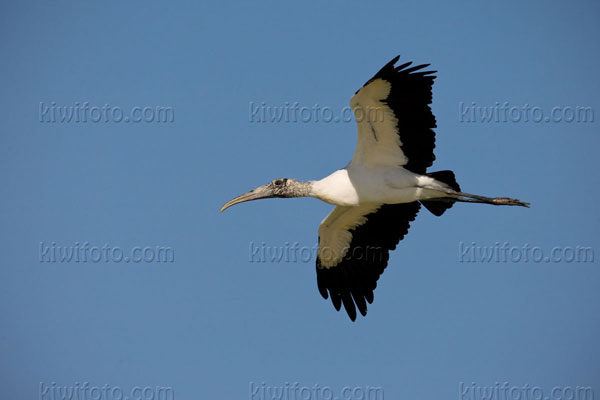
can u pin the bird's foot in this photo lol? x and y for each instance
(507, 201)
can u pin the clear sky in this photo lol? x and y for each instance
(217, 321)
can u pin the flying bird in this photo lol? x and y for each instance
(379, 193)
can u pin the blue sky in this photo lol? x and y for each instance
(214, 322)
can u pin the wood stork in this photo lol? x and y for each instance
(379, 193)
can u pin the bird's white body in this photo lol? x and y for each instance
(359, 184)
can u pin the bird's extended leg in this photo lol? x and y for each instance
(497, 201)
(474, 198)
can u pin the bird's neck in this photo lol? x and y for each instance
(302, 189)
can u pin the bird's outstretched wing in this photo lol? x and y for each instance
(394, 118)
(354, 245)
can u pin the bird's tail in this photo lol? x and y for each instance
(437, 207)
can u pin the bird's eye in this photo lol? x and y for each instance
(279, 182)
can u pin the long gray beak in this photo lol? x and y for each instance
(261, 192)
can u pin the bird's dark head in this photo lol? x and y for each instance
(282, 187)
